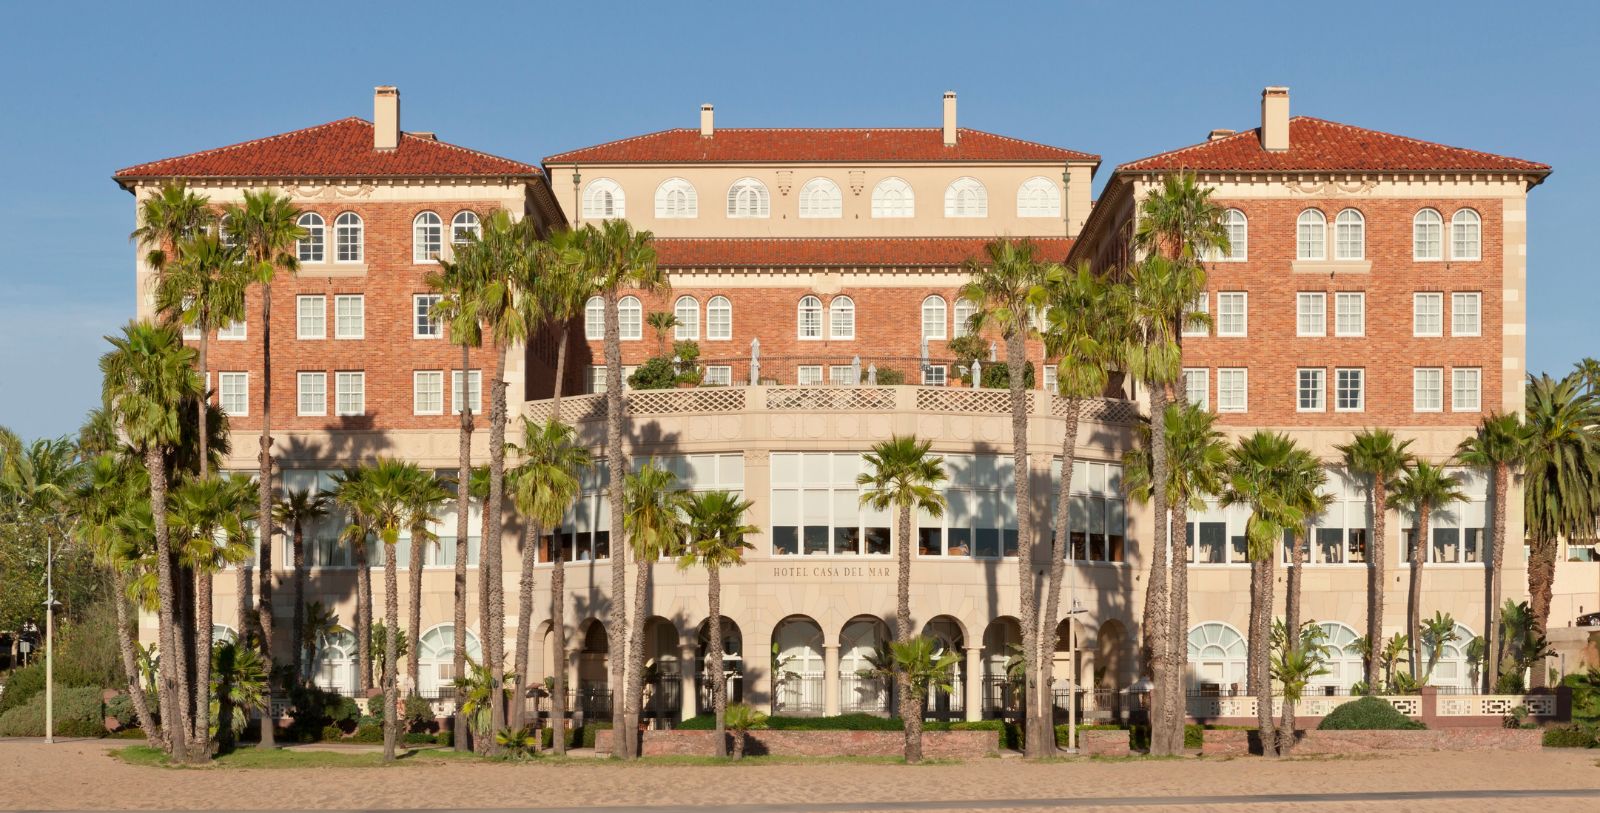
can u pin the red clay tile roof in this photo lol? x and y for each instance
(818, 144)
(338, 149)
(1316, 144)
(783, 252)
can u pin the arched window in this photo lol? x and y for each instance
(1445, 661)
(1311, 236)
(224, 233)
(966, 197)
(603, 199)
(820, 198)
(892, 197)
(436, 657)
(810, 317)
(333, 667)
(965, 310)
(799, 680)
(1343, 656)
(348, 238)
(933, 318)
(747, 197)
(427, 237)
(1216, 657)
(630, 319)
(719, 318)
(1427, 236)
(1465, 235)
(594, 319)
(222, 633)
(1349, 236)
(1039, 197)
(687, 313)
(859, 643)
(1237, 227)
(464, 228)
(676, 199)
(312, 247)
(842, 318)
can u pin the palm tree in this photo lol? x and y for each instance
(1377, 455)
(352, 492)
(903, 473)
(1563, 467)
(543, 487)
(925, 667)
(266, 228)
(1500, 444)
(1424, 489)
(424, 494)
(1304, 489)
(1262, 476)
(387, 509)
(1007, 288)
(617, 257)
(716, 539)
(1435, 634)
(661, 322)
(656, 521)
(563, 290)
(239, 686)
(297, 509)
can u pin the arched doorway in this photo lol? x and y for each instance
(797, 667)
(333, 664)
(865, 681)
(436, 660)
(663, 676)
(1217, 659)
(593, 693)
(948, 636)
(1002, 665)
(1343, 662)
(732, 664)
(1113, 670)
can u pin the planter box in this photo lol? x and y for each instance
(1240, 743)
(1104, 743)
(935, 744)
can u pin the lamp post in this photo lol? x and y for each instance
(1072, 655)
(49, 640)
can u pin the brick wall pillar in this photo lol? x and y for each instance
(972, 673)
(1430, 706)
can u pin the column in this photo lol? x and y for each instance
(972, 672)
(689, 667)
(830, 679)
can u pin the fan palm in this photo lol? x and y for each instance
(1423, 489)
(298, 509)
(543, 487)
(1434, 634)
(1499, 445)
(1377, 455)
(926, 667)
(351, 492)
(563, 289)
(424, 495)
(1304, 484)
(386, 506)
(715, 540)
(656, 521)
(239, 686)
(148, 373)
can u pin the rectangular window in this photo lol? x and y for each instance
(1427, 315)
(313, 393)
(311, 317)
(1350, 389)
(1048, 382)
(1195, 327)
(1232, 389)
(233, 393)
(349, 316)
(842, 375)
(1427, 389)
(935, 375)
(1466, 385)
(718, 375)
(1232, 313)
(424, 326)
(1311, 314)
(1350, 316)
(1096, 519)
(808, 375)
(1311, 389)
(427, 392)
(350, 393)
(1196, 387)
(597, 380)
(1466, 314)
(233, 332)
(474, 397)
(817, 511)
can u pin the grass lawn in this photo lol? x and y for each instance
(281, 758)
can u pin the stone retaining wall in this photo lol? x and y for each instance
(1104, 743)
(935, 744)
(1239, 743)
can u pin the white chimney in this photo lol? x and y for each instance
(385, 117)
(949, 118)
(706, 125)
(1275, 119)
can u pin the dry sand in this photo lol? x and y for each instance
(84, 775)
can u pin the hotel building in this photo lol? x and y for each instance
(1372, 280)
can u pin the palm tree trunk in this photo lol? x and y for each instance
(1156, 608)
(1497, 544)
(414, 628)
(558, 646)
(391, 643)
(485, 581)
(202, 668)
(525, 680)
(459, 737)
(264, 509)
(719, 684)
(171, 699)
(1036, 706)
(492, 549)
(1541, 578)
(183, 591)
(130, 662)
(1177, 711)
(1419, 556)
(1291, 626)
(616, 465)
(631, 716)
(363, 618)
(205, 401)
(297, 632)
(1375, 579)
(909, 709)
(1259, 645)
(241, 588)
(561, 371)
(1058, 564)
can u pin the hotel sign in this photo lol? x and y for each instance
(832, 572)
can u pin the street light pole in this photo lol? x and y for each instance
(49, 640)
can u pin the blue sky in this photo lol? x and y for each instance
(87, 91)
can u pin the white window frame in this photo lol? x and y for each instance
(300, 392)
(341, 381)
(594, 319)
(1201, 304)
(1427, 236)
(313, 248)
(434, 381)
(474, 389)
(716, 306)
(1243, 298)
(239, 379)
(904, 206)
(418, 319)
(686, 315)
(1311, 235)
(1418, 328)
(1203, 375)
(339, 330)
(808, 318)
(1341, 297)
(1049, 378)
(943, 308)
(841, 318)
(1304, 303)
(842, 375)
(1039, 197)
(1350, 222)
(1243, 374)
(1320, 376)
(935, 375)
(349, 238)
(301, 319)
(966, 197)
(1360, 374)
(1236, 224)
(808, 375)
(465, 222)
(677, 199)
(1466, 229)
(961, 322)
(748, 199)
(630, 319)
(233, 331)
(614, 204)
(821, 199)
(1457, 374)
(718, 375)
(1458, 306)
(1419, 388)
(427, 238)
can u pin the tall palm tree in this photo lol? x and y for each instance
(266, 228)
(617, 258)
(1007, 288)
(563, 290)
(903, 473)
(715, 540)
(1499, 445)
(1261, 472)
(148, 373)
(299, 508)
(1304, 484)
(543, 487)
(1423, 489)
(424, 494)
(1563, 467)
(656, 521)
(386, 505)
(1378, 456)
(352, 493)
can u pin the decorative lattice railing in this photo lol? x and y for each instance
(577, 409)
(1494, 705)
(952, 399)
(1445, 705)
(830, 399)
(688, 401)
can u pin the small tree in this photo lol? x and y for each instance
(925, 668)
(742, 718)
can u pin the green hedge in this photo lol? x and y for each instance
(78, 713)
(580, 736)
(25, 682)
(1367, 714)
(1568, 737)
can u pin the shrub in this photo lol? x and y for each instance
(419, 717)
(887, 377)
(25, 682)
(1568, 737)
(1367, 714)
(78, 713)
(580, 736)
(446, 737)
(1008, 735)
(657, 373)
(417, 738)
(316, 711)
(121, 707)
